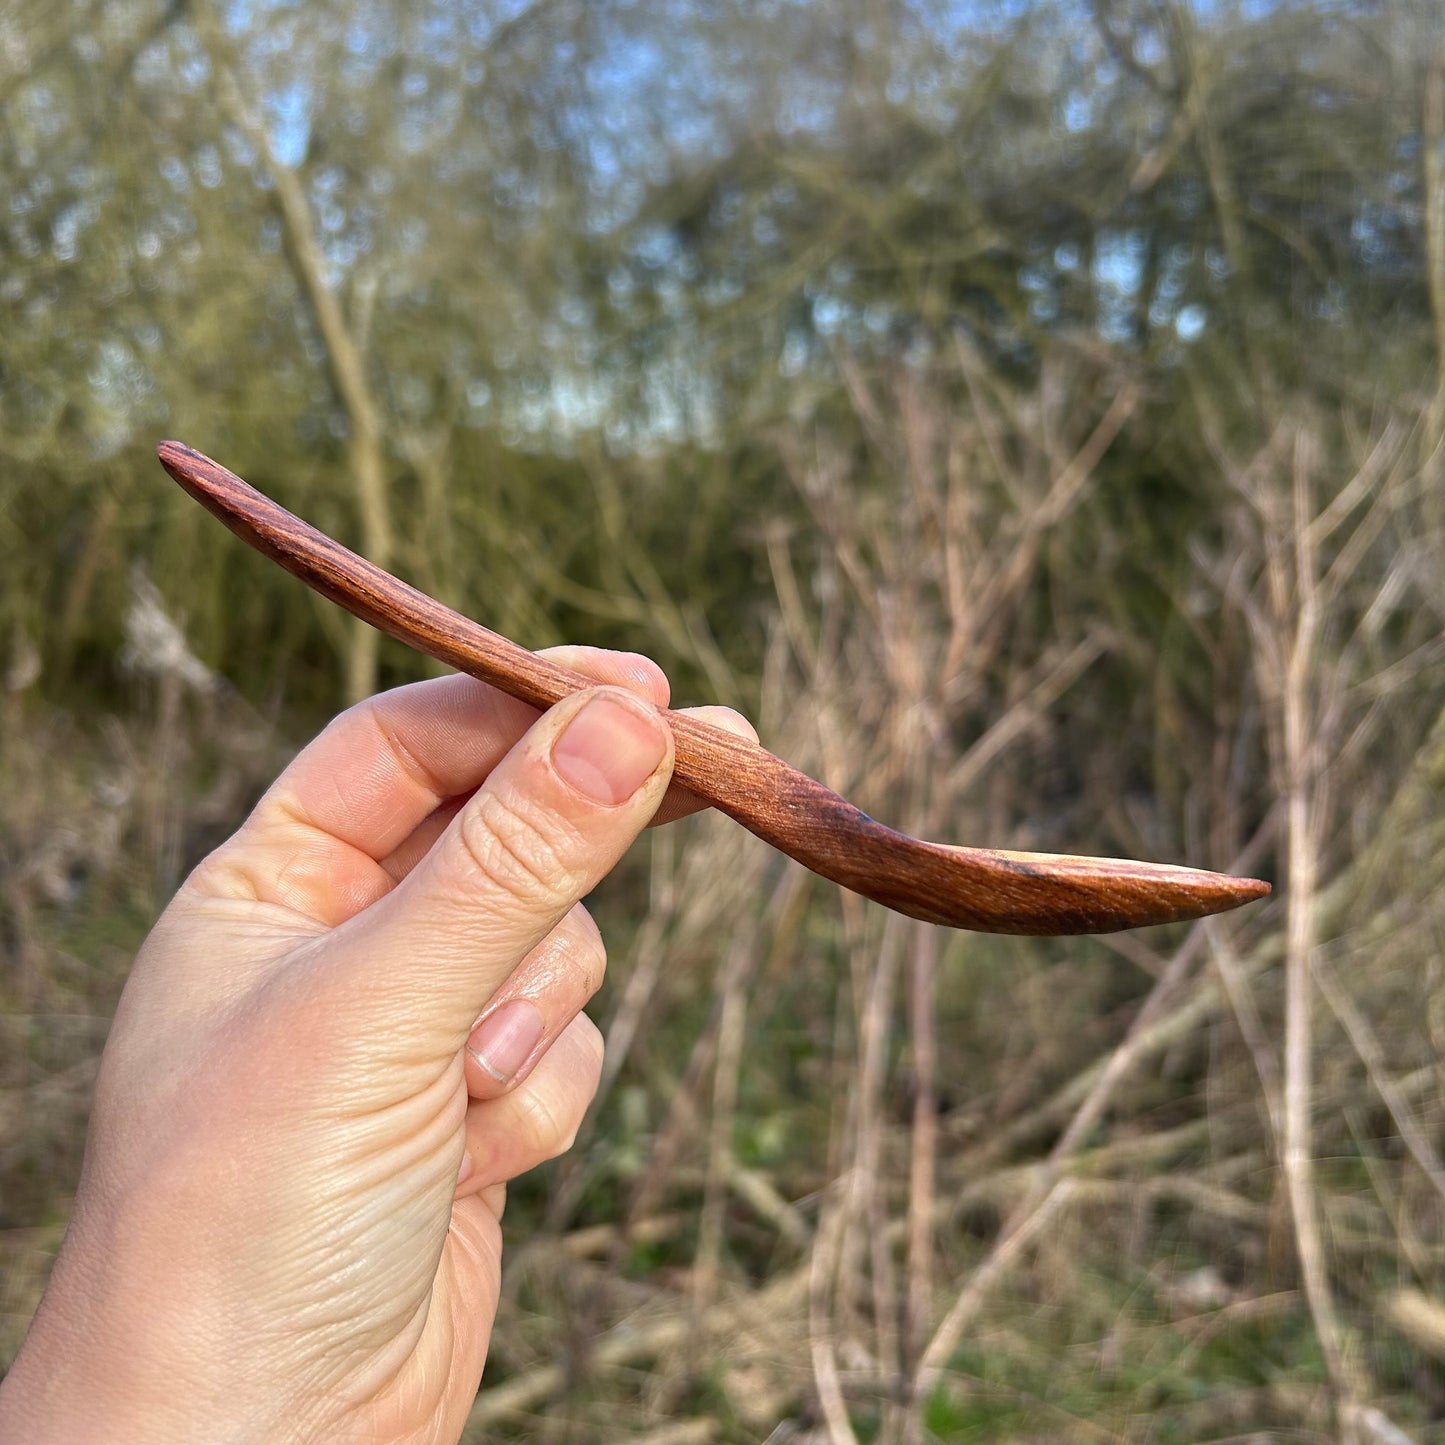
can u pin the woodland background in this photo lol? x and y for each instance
(1030, 415)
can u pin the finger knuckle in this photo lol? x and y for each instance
(516, 852)
(583, 952)
(377, 713)
(550, 1129)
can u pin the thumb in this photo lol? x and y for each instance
(550, 821)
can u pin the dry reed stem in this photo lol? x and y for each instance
(1000, 1259)
(735, 977)
(1419, 1318)
(923, 1159)
(1202, 1003)
(1393, 1201)
(1313, 616)
(867, 1259)
(1251, 1028)
(753, 1317)
(823, 1267)
(1058, 674)
(755, 1190)
(1295, 608)
(1040, 1200)
(1372, 1055)
(684, 1432)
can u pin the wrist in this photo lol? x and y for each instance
(125, 1376)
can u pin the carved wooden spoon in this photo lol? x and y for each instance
(979, 888)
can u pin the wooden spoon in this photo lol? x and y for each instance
(978, 888)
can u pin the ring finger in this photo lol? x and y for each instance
(539, 1118)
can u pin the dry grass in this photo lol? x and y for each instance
(851, 1178)
(911, 1185)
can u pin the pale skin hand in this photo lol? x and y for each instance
(287, 1228)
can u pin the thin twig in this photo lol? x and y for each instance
(1000, 1259)
(1362, 1038)
(1295, 606)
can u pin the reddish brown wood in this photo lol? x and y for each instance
(979, 888)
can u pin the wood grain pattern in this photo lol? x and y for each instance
(984, 889)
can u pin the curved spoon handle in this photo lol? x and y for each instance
(979, 888)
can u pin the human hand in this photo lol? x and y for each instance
(287, 1227)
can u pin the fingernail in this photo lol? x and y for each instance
(465, 1169)
(611, 748)
(504, 1040)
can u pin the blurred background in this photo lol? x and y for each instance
(1030, 415)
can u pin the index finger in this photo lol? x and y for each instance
(348, 800)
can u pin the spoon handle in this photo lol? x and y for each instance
(984, 889)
